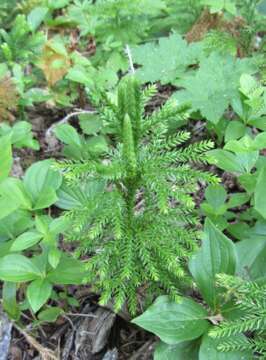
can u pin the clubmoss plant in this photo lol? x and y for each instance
(141, 228)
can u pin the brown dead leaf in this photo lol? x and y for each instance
(55, 62)
(8, 99)
(208, 21)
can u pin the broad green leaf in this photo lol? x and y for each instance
(165, 61)
(260, 141)
(5, 156)
(70, 197)
(7, 207)
(18, 268)
(79, 74)
(262, 7)
(42, 224)
(36, 16)
(37, 95)
(208, 351)
(67, 134)
(10, 305)
(174, 322)
(54, 257)
(181, 351)
(39, 179)
(251, 255)
(234, 130)
(237, 199)
(97, 144)
(217, 255)
(47, 197)
(215, 85)
(215, 195)
(59, 225)
(57, 4)
(38, 292)
(259, 196)
(15, 224)
(26, 240)
(13, 190)
(21, 136)
(68, 271)
(249, 86)
(248, 182)
(225, 160)
(50, 315)
(90, 123)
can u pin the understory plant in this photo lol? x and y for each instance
(141, 226)
(214, 325)
(31, 261)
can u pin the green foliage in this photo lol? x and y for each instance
(231, 310)
(221, 41)
(166, 61)
(249, 298)
(145, 162)
(217, 255)
(24, 227)
(133, 180)
(214, 86)
(187, 316)
(179, 15)
(19, 44)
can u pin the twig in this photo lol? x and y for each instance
(67, 117)
(130, 60)
(82, 315)
(46, 354)
(143, 349)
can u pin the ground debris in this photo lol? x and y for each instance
(5, 335)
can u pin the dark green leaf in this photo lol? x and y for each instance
(174, 322)
(68, 271)
(217, 255)
(50, 315)
(68, 135)
(10, 305)
(208, 351)
(181, 351)
(260, 203)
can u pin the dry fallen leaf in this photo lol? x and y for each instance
(8, 99)
(55, 62)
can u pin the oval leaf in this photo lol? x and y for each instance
(174, 322)
(38, 292)
(18, 268)
(182, 351)
(26, 240)
(217, 255)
